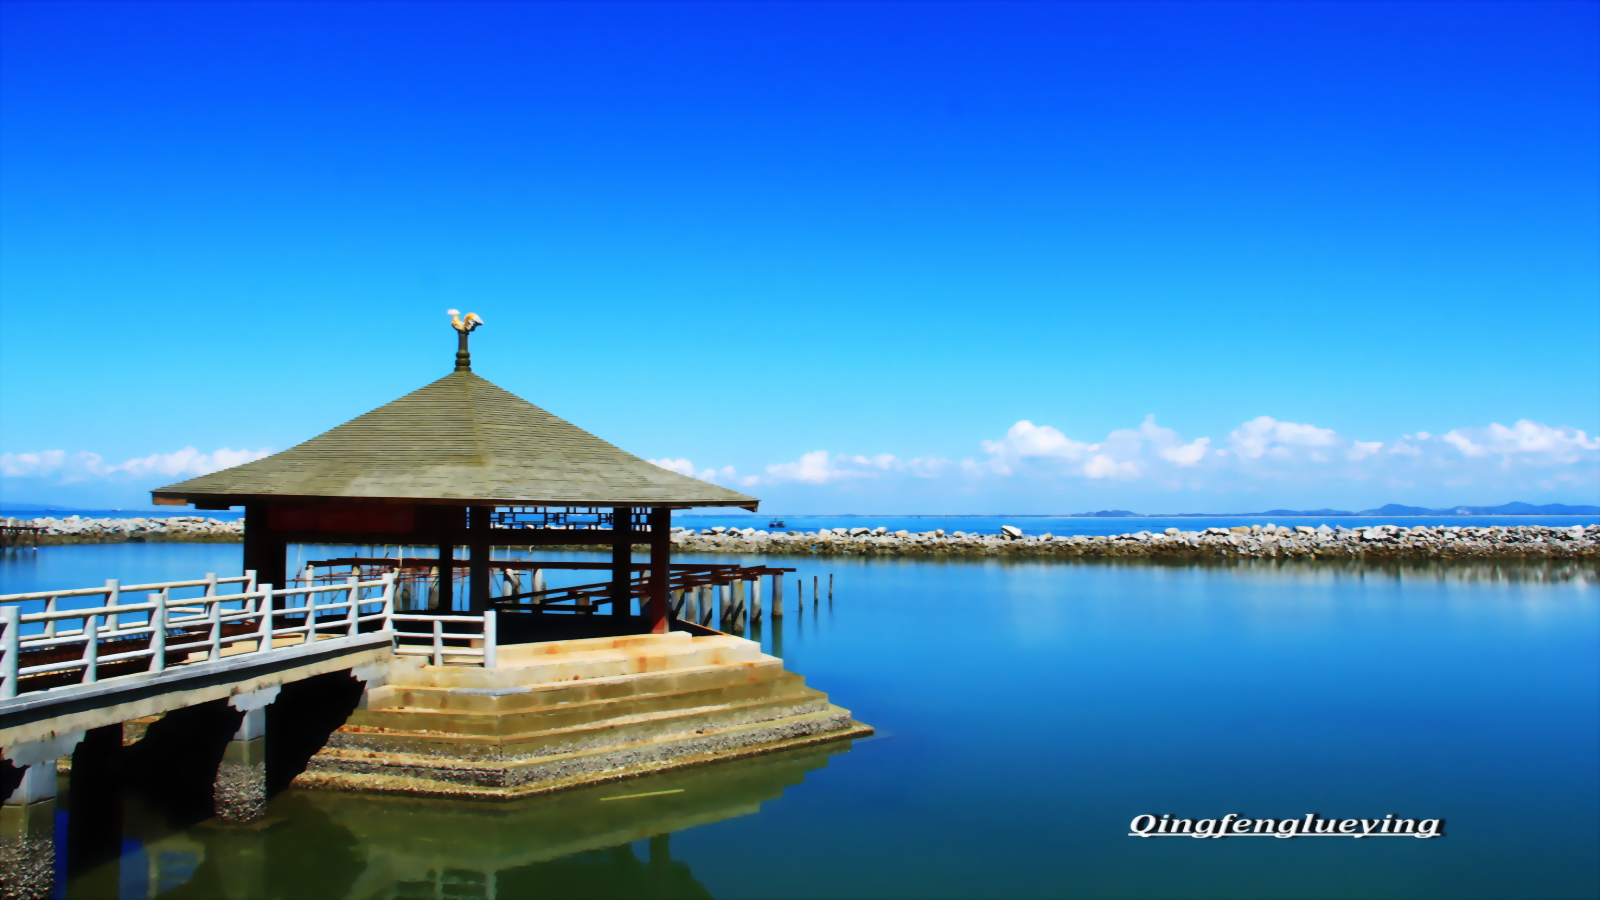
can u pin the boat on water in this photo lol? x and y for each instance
(776, 523)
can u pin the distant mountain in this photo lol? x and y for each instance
(34, 507)
(1504, 509)
(1523, 509)
(1395, 510)
(1108, 514)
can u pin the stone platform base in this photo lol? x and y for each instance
(561, 714)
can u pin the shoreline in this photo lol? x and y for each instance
(1254, 541)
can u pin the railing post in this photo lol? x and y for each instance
(214, 621)
(490, 650)
(158, 633)
(10, 650)
(438, 642)
(50, 626)
(266, 619)
(211, 584)
(113, 598)
(250, 586)
(311, 616)
(354, 628)
(388, 601)
(91, 650)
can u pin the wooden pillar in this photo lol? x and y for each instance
(621, 560)
(478, 574)
(660, 559)
(447, 564)
(264, 551)
(94, 819)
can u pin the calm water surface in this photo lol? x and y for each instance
(1025, 713)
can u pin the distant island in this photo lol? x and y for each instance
(1390, 509)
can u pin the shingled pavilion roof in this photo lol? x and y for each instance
(461, 440)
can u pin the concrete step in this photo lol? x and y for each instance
(598, 713)
(514, 698)
(580, 665)
(357, 767)
(590, 732)
(512, 652)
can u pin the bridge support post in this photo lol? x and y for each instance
(239, 793)
(94, 818)
(27, 846)
(28, 816)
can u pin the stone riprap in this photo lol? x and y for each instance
(80, 530)
(1301, 541)
(1280, 541)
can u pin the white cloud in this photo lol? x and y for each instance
(816, 467)
(726, 475)
(1462, 443)
(85, 466)
(31, 465)
(1189, 454)
(1102, 466)
(1264, 436)
(1257, 453)
(821, 467)
(1526, 440)
(1360, 450)
(681, 466)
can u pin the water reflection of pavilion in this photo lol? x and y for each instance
(573, 843)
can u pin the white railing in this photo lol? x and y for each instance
(173, 631)
(113, 590)
(439, 645)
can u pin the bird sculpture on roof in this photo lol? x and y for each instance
(465, 326)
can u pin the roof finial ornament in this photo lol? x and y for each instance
(463, 328)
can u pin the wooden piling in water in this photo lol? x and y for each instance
(777, 596)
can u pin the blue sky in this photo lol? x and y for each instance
(882, 257)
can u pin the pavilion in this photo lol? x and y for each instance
(459, 463)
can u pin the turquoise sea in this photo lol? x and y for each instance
(1026, 713)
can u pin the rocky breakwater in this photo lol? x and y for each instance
(79, 530)
(1254, 541)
